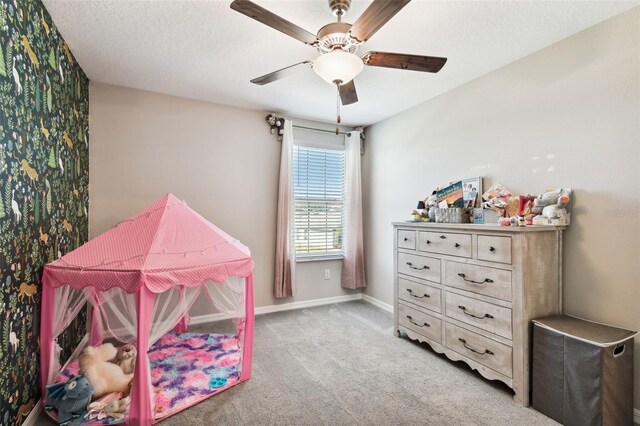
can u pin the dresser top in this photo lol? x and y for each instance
(477, 227)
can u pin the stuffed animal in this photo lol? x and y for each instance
(105, 376)
(126, 358)
(513, 206)
(552, 204)
(70, 399)
(111, 405)
(526, 204)
(96, 408)
(118, 409)
(431, 203)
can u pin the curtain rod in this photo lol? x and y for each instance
(321, 130)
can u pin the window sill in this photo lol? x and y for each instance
(305, 259)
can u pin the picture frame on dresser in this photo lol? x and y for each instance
(472, 184)
(470, 292)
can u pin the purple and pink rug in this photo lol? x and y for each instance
(185, 369)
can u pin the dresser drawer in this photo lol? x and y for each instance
(420, 294)
(423, 267)
(494, 249)
(485, 351)
(406, 239)
(415, 320)
(487, 316)
(478, 279)
(445, 243)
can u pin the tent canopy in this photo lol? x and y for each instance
(165, 245)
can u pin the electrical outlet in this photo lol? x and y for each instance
(327, 274)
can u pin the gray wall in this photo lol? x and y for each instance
(223, 161)
(568, 115)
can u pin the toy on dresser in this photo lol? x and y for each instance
(551, 207)
(548, 208)
(552, 204)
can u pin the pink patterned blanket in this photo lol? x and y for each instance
(185, 369)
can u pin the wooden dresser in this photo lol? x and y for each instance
(471, 291)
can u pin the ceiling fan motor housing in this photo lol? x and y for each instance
(336, 36)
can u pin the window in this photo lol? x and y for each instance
(318, 182)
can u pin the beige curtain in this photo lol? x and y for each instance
(353, 263)
(285, 247)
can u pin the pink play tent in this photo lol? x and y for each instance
(141, 278)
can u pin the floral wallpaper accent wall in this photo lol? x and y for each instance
(44, 175)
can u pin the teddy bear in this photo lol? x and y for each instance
(70, 399)
(126, 358)
(552, 204)
(105, 376)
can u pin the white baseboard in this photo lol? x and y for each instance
(377, 303)
(200, 319)
(32, 418)
(636, 416)
(307, 303)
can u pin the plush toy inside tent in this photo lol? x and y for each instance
(139, 363)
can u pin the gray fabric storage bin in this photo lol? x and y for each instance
(582, 372)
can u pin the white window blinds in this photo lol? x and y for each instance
(318, 176)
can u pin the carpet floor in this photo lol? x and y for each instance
(341, 365)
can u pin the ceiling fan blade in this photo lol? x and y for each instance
(348, 93)
(272, 20)
(377, 14)
(404, 62)
(277, 75)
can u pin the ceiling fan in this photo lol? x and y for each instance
(338, 43)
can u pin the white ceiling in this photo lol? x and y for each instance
(203, 50)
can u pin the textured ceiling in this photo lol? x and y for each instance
(204, 50)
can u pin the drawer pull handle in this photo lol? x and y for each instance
(492, 249)
(406, 239)
(464, 277)
(428, 242)
(457, 245)
(416, 268)
(415, 323)
(417, 297)
(486, 351)
(442, 237)
(464, 310)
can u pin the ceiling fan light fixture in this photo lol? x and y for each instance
(338, 66)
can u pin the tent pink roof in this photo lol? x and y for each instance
(164, 245)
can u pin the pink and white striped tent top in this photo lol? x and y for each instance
(165, 245)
